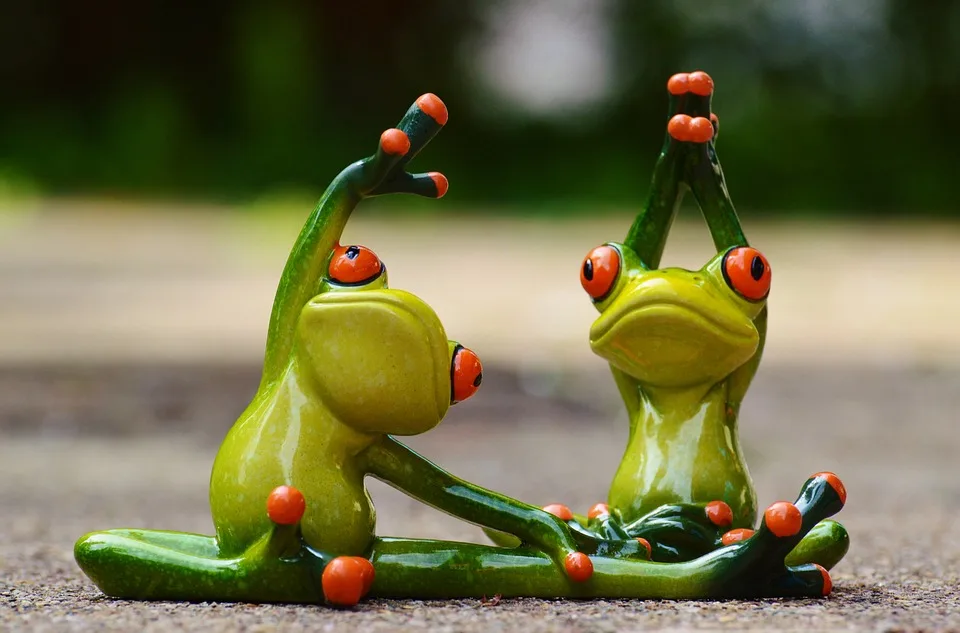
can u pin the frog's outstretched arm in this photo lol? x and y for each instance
(648, 234)
(399, 466)
(382, 173)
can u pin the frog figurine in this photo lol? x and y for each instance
(683, 347)
(351, 363)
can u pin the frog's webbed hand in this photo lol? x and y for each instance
(400, 467)
(383, 172)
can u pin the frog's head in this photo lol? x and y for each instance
(379, 358)
(673, 327)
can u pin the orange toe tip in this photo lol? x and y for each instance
(783, 519)
(714, 118)
(433, 107)
(598, 510)
(719, 513)
(679, 127)
(345, 579)
(700, 83)
(735, 536)
(559, 510)
(835, 483)
(395, 142)
(700, 130)
(440, 182)
(646, 544)
(678, 84)
(578, 566)
(286, 505)
(367, 573)
(827, 582)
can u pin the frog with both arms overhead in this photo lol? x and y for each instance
(350, 364)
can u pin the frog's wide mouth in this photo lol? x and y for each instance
(687, 314)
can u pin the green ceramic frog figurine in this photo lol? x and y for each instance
(683, 347)
(349, 364)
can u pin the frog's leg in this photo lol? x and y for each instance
(750, 568)
(161, 565)
(382, 173)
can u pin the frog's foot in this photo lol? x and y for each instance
(346, 580)
(758, 559)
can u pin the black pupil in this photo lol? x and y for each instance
(757, 268)
(588, 269)
(352, 252)
(478, 380)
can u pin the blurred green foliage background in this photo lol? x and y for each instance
(825, 105)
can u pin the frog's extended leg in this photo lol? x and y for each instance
(750, 568)
(382, 173)
(162, 565)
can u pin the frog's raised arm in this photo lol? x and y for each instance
(703, 174)
(688, 161)
(382, 173)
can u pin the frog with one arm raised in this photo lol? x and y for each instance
(351, 363)
(683, 347)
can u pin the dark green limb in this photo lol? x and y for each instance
(378, 174)
(683, 166)
(397, 465)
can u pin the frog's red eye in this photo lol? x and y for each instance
(354, 265)
(748, 272)
(599, 271)
(466, 374)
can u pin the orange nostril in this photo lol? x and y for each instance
(466, 374)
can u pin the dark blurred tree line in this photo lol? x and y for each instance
(825, 105)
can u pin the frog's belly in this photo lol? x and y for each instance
(339, 516)
(643, 483)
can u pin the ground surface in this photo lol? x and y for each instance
(127, 346)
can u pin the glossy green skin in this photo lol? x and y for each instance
(346, 369)
(683, 347)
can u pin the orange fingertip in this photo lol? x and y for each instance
(395, 142)
(827, 581)
(719, 513)
(433, 107)
(285, 505)
(700, 83)
(343, 580)
(677, 85)
(679, 127)
(700, 130)
(598, 509)
(783, 519)
(735, 536)
(559, 510)
(835, 483)
(646, 545)
(440, 182)
(578, 566)
(715, 120)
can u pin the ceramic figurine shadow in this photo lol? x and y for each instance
(683, 347)
(349, 365)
